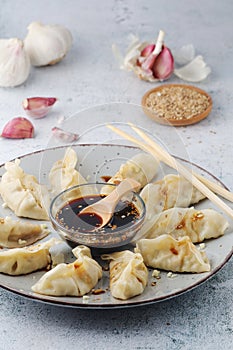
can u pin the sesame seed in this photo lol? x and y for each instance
(155, 273)
(202, 245)
(177, 103)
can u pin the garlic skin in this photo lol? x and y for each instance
(129, 60)
(47, 44)
(18, 128)
(14, 62)
(195, 71)
(65, 136)
(184, 55)
(38, 107)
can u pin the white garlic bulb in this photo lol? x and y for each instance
(14, 62)
(47, 44)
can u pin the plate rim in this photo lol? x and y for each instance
(93, 306)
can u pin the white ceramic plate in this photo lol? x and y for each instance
(102, 160)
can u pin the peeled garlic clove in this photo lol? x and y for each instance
(18, 128)
(47, 44)
(195, 71)
(163, 66)
(14, 62)
(38, 107)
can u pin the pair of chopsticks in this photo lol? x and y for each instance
(206, 187)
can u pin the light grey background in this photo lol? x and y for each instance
(89, 76)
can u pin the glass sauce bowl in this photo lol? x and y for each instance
(127, 219)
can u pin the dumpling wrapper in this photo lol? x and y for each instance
(197, 224)
(142, 167)
(16, 233)
(63, 174)
(128, 274)
(21, 261)
(23, 194)
(74, 279)
(167, 253)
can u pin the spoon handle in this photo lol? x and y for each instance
(123, 188)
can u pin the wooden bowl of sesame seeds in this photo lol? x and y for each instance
(177, 104)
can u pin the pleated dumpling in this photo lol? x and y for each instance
(16, 233)
(167, 253)
(63, 174)
(197, 224)
(74, 279)
(172, 191)
(142, 167)
(128, 274)
(21, 261)
(22, 193)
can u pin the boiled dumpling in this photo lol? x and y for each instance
(63, 174)
(167, 253)
(74, 279)
(22, 193)
(180, 222)
(142, 167)
(18, 233)
(128, 274)
(20, 261)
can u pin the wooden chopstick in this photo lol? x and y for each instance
(186, 173)
(164, 157)
(215, 187)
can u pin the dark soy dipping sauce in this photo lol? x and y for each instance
(124, 216)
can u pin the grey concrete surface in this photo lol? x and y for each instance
(89, 76)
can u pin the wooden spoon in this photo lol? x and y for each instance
(104, 208)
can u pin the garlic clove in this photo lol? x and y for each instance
(38, 107)
(147, 50)
(47, 44)
(63, 135)
(18, 128)
(14, 62)
(163, 66)
(195, 71)
(149, 61)
(152, 57)
(147, 58)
